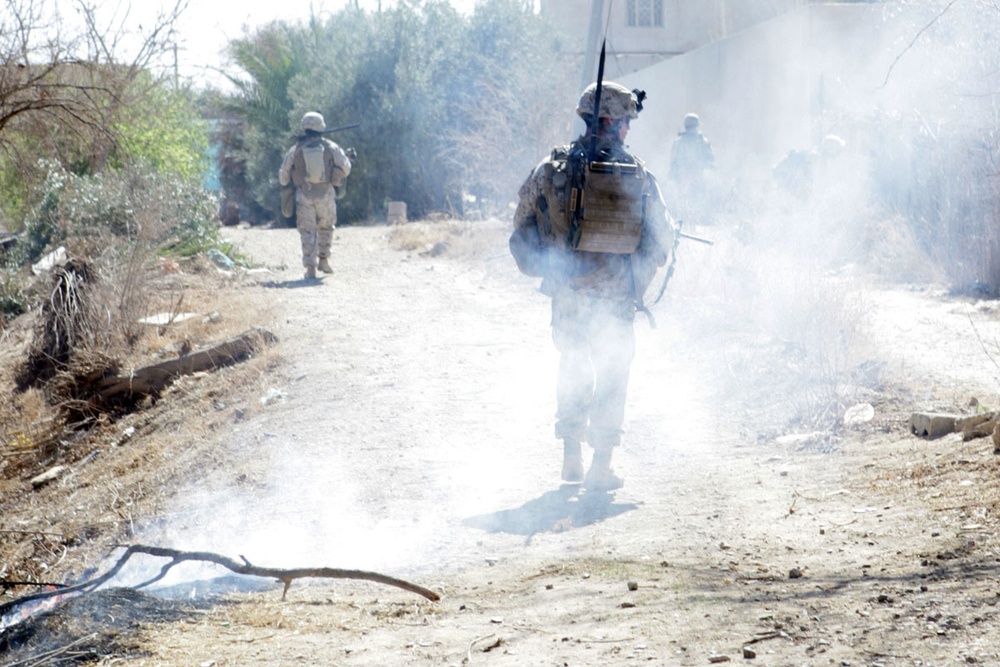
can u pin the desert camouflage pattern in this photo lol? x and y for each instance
(617, 101)
(315, 204)
(314, 121)
(594, 295)
(315, 219)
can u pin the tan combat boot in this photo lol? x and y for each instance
(601, 477)
(324, 265)
(572, 468)
(310, 273)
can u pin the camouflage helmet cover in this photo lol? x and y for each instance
(617, 101)
(831, 145)
(313, 121)
(691, 121)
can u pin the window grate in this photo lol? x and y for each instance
(645, 13)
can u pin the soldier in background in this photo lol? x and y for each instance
(595, 231)
(798, 172)
(690, 157)
(316, 167)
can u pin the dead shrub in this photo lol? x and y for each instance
(68, 322)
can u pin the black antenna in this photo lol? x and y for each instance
(595, 122)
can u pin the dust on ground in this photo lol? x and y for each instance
(403, 424)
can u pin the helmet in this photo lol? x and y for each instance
(831, 145)
(617, 101)
(691, 121)
(313, 121)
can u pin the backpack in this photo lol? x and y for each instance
(602, 203)
(312, 157)
(309, 169)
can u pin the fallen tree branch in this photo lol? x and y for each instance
(52, 655)
(129, 389)
(247, 568)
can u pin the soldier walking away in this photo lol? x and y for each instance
(690, 157)
(800, 170)
(317, 168)
(592, 223)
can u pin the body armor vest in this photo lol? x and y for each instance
(601, 204)
(611, 208)
(314, 171)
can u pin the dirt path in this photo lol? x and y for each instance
(410, 432)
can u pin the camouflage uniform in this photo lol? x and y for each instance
(315, 203)
(594, 295)
(690, 157)
(800, 170)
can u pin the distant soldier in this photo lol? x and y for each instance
(595, 228)
(800, 169)
(690, 157)
(316, 167)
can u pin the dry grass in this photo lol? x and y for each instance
(177, 432)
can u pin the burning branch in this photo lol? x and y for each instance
(246, 567)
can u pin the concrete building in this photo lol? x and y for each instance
(766, 76)
(641, 33)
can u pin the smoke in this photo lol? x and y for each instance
(381, 473)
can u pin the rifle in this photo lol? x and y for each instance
(329, 130)
(694, 238)
(678, 235)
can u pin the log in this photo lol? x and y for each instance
(981, 431)
(152, 380)
(966, 423)
(286, 576)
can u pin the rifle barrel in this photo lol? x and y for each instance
(342, 127)
(683, 235)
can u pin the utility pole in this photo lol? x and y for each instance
(590, 55)
(593, 39)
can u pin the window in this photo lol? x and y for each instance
(645, 13)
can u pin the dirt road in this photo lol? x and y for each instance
(408, 430)
(413, 436)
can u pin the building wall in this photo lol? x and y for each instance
(774, 86)
(687, 25)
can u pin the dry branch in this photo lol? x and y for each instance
(247, 568)
(150, 381)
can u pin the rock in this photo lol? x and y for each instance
(862, 413)
(221, 259)
(47, 476)
(50, 261)
(800, 439)
(931, 425)
(749, 653)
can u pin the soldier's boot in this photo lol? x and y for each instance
(310, 273)
(601, 477)
(324, 265)
(572, 468)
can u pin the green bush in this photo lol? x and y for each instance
(13, 299)
(119, 207)
(449, 105)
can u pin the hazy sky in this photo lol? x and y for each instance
(205, 27)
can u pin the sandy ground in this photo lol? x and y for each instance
(408, 431)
